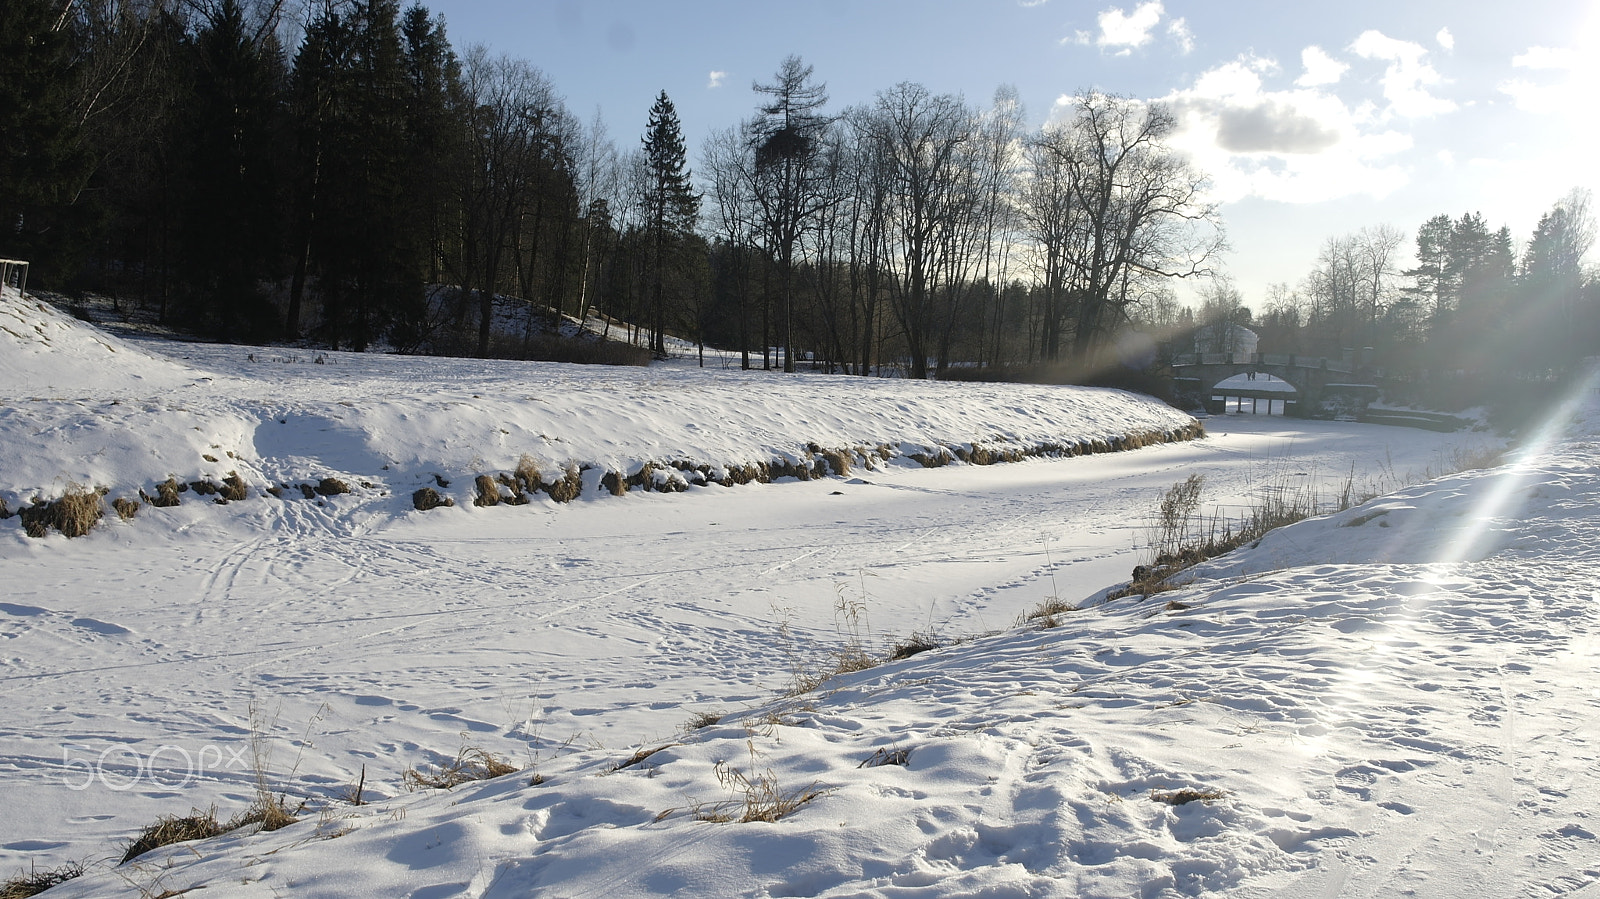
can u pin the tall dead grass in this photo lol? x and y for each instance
(470, 763)
(74, 513)
(1182, 537)
(35, 881)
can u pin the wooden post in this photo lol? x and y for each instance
(14, 273)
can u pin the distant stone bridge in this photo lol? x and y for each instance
(1314, 378)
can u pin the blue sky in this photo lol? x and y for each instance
(1313, 120)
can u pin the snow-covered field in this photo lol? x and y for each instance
(1397, 699)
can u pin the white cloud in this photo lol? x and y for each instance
(1240, 78)
(1547, 58)
(1408, 76)
(1445, 39)
(1178, 30)
(1320, 68)
(1574, 76)
(1302, 145)
(1078, 37)
(716, 79)
(1129, 30)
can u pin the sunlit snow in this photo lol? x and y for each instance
(1395, 699)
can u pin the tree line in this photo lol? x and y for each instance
(345, 176)
(253, 177)
(1477, 308)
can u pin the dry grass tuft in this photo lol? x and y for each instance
(1183, 538)
(429, 498)
(526, 474)
(267, 813)
(568, 487)
(471, 763)
(332, 487)
(838, 460)
(1186, 796)
(915, 644)
(169, 829)
(640, 756)
(35, 518)
(701, 720)
(234, 488)
(125, 507)
(5, 510)
(787, 468)
(615, 483)
(745, 474)
(74, 514)
(166, 494)
(35, 882)
(78, 511)
(1048, 613)
(881, 757)
(488, 491)
(755, 797)
(513, 495)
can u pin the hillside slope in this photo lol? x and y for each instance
(1409, 716)
(98, 411)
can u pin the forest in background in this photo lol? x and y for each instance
(341, 174)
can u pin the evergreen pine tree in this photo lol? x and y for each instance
(362, 245)
(43, 161)
(434, 127)
(232, 232)
(671, 205)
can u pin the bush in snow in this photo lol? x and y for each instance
(74, 514)
(429, 498)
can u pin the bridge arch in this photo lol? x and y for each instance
(1252, 391)
(1314, 379)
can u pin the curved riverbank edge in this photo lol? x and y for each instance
(76, 511)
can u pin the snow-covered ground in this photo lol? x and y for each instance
(1399, 698)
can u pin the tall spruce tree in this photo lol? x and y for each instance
(43, 160)
(1553, 312)
(1431, 282)
(361, 244)
(434, 126)
(232, 230)
(671, 206)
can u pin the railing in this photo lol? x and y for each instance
(1292, 361)
(14, 273)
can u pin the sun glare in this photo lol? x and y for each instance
(1503, 498)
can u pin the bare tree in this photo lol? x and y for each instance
(727, 166)
(918, 139)
(1141, 208)
(1352, 284)
(507, 98)
(1053, 224)
(787, 137)
(599, 185)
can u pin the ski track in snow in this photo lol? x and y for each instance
(1394, 700)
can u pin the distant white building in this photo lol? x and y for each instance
(1222, 337)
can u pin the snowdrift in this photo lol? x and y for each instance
(45, 354)
(137, 415)
(1373, 717)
